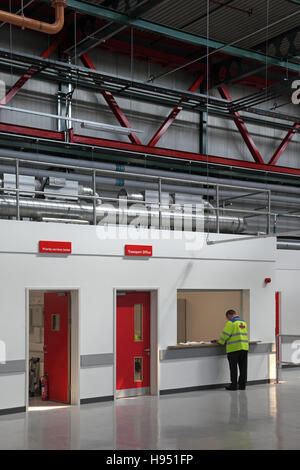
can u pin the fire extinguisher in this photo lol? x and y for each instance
(44, 387)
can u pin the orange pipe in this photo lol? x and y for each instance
(36, 25)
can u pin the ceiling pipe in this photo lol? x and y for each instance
(288, 244)
(38, 209)
(36, 25)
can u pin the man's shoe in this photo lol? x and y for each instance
(231, 387)
(242, 388)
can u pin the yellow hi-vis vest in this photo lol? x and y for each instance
(235, 335)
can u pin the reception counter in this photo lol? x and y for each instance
(190, 367)
(182, 351)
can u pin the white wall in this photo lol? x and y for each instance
(98, 266)
(288, 282)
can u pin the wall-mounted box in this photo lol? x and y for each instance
(26, 183)
(60, 186)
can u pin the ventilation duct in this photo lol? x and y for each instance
(39, 209)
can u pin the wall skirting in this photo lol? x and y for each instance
(9, 411)
(86, 401)
(211, 387)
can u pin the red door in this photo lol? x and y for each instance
(133, 343)
(56, 345)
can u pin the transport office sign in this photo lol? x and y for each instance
(46, 246)
(138, 250)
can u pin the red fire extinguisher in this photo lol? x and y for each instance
(44, 386)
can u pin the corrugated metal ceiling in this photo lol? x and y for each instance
(228, 23)
(225, 24)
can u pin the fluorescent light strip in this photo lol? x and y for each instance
(84, 124)
(98, 127)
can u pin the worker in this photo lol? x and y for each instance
(235, 336)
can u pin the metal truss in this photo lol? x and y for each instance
(111, 28)
(84, 78)
(110, 100)
(179, 35)
(109, 85)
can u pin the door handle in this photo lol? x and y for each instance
(45, 349)
(147, 350)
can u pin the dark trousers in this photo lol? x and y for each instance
(238, 360)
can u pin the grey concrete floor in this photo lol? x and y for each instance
(262, 417)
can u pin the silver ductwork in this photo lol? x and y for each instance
(136, 214)
(288, 244)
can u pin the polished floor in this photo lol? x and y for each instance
(262, 417)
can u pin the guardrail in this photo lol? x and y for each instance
(216, 191)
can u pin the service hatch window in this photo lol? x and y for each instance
(201, 313)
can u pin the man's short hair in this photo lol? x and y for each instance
(230, 312)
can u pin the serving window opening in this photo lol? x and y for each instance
(201, 313)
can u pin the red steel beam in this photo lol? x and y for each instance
(283, 145)
(107, 95)
(31, 132)
(143, 149)
(242, 129)
(182, 155)
(173, 114)
(32, 70)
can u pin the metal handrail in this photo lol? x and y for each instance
(159, 180)
(135, 175)
(279, 362)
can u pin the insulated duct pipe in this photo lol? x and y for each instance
(35, 25)
(108, 214)
(288, 245)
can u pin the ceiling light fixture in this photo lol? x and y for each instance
(107, 128)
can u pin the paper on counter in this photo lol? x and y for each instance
(196, 342)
